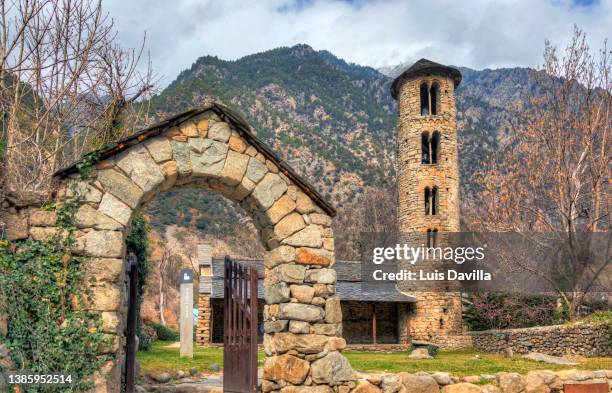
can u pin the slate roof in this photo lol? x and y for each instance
(229, 116)
(348, 287)
(421, 68)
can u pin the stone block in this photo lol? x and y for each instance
(333, 310)
(419, 383)
(307, 237)
(336, 343)
(121, 187)
(299, 327)
(332, 369)
(535, 384)
(288, 273)
(159, 148)
(304, 204)
(88, 217)
(220, 131)
(278, 256)
(462, 387)
(207, 156)
(234, 168)
(366, 387)
(88, 192)
(170, 170)
(510, 382)
(269, 190)
(181, 155)
(302, 343)
(115, 209)
(301, 312)
(302, 293)
(321, 219)
(237, 144)
(280, 209)
(202, 125)
(289, 225)
(107, 270)
(275, 326)
(243, 189)
(276, 293)
(321, 276)
(314, 256)
(105, 297)
(189, 129)
(138, 164)
(102, 243)
(308, 389)
(255, 170)
(286, 368)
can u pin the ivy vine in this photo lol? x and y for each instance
(137, 243)
(49, 330)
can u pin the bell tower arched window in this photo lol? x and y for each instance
(432, 235)
(424, 99)
(425, 156)
(433, 98)
(430, 146)
(429, 99)
(434, 147)
(430, 197)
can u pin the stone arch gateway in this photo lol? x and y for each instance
(214, 148)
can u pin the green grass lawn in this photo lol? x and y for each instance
(160, 358)
(459, 362)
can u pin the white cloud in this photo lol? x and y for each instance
(473, 33)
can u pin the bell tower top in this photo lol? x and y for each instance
(422, 68)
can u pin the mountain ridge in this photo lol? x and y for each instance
(334, 121)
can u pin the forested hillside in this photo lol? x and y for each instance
(334, 122)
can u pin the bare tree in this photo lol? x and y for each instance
(166, 263)
(552, 182)
(375, 211)
(66, 87)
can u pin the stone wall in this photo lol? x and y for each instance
(540, 381)
(453, 341)
(204, 328)
(587, 340)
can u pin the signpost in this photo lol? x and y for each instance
(186, 320)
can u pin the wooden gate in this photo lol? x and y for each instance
(239, 328)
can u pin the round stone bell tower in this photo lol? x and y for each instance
(428, 184)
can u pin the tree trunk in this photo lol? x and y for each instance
(162, 318)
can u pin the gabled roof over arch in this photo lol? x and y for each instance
(227, 115)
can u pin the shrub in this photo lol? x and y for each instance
(146, 336)
(503, 310)
(165, 333)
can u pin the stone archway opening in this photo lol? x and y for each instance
(213, 148)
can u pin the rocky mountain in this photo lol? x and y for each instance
(333, 121)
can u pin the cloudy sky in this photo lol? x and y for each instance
(473, 33)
